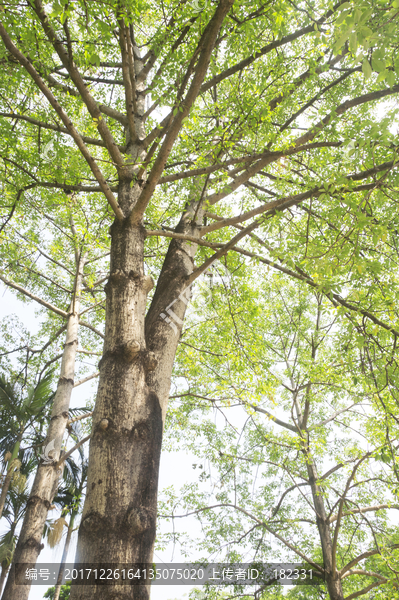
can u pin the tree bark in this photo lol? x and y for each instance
(119, 517)
(44, 486)
(9, 474)
(333, 581)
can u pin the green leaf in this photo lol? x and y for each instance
(366, 68)
(382, 76)
(391, 78)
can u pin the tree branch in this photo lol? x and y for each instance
(66, 120)
(206, 44)
(364, 510)
(87, 98)
(22, 290)
(81, 381)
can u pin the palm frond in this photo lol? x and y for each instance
(7, 547)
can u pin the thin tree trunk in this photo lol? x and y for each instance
(64, 556)
(3, 577)
(333, 581)
(44, 486)
(9, 474)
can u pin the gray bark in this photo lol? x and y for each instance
(119, 517)
(333, 580)
(44, 486)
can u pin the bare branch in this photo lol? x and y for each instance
(206, 44)
(80, 417)
(273, 418)
(92, 328)
(68, 454)
(364, 510)
(81, 381)
(89, 101)
(22, 290)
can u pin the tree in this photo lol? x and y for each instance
(13, 513)
(302, 462)
(19, 410)
(63, 299)
(225, 145)
(69, 499)
(64, 593)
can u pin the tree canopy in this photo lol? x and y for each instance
(258, 134)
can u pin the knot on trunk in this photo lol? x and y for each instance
(103, 424)
(93, 523)
(139, 520)
(119, 275)
(32, 543)
(130, 350)
(35, 500)
(149, 361)
(127, 352)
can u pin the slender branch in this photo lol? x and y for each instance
(206, 44)
(58, 128)
(367, 573)
(129, 85)
(273, 418)
(362, 556)
(87, 98)
(341, 109)
(363, 591)
(79, 418)
(68, 454)
(91, 307)
(22, 290)
(81, 381)
(92, 328)
(266, 49)
(364, 510)
(331, 418)
(341, 506)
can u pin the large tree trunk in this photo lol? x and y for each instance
(44, 486)
(119, 517)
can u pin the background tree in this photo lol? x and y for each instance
(64, 593)
(13, 513)
(297, 452)
(212, 125)
(22, 412)
(69, 499)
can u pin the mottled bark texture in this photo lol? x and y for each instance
(9, 473)
(118, 524)
(45, 484)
